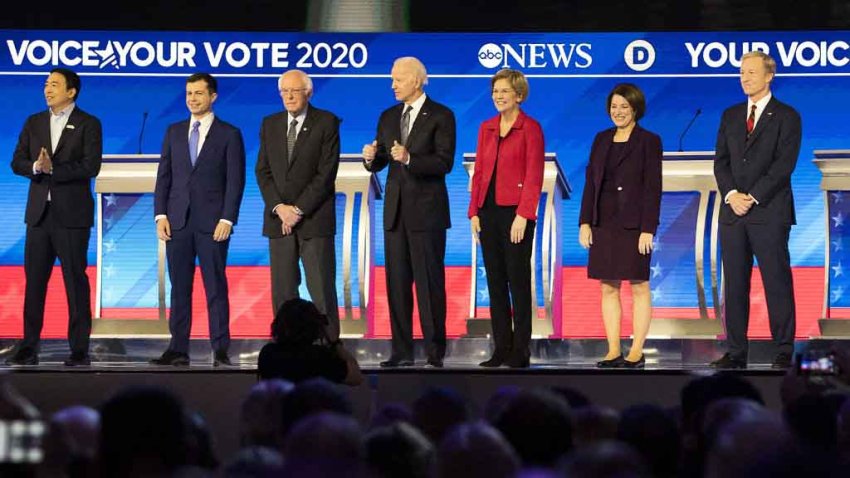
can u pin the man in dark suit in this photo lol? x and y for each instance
(757, 148)
(296, 170)
(59, 151)
(199, 187)
(416, 139)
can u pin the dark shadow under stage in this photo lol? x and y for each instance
(217, 392)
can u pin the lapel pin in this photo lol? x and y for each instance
(69, 126)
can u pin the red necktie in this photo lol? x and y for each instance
(751, 121)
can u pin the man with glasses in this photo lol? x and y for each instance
(296, 170)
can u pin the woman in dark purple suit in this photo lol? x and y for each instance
(619, 217)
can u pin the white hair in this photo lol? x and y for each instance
(308, 83)
(415, 65)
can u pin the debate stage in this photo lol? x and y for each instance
(217, 392)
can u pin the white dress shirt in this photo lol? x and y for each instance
(58, 122)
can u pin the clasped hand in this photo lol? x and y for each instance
(741, 203)
(289, 217)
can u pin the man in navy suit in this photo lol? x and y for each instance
(199, 186)
(757, 148)
(296, 170)
(416, 141)
(59, 151)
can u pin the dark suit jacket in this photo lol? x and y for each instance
(519, 177)
(212, 188)
(761, 165)
(417, 190)
(638, 180)
(307, 181)
(76, 160)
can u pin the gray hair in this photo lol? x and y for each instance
(308, 83)
(415, 65)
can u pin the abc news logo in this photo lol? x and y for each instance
(535, 55)
(639, 55)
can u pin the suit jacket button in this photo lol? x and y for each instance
(745, 160)
(619, 188)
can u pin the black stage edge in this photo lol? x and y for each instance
(217, 392)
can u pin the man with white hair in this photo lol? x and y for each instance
(296, 170)
(416, 140)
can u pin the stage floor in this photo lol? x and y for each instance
(464, 354)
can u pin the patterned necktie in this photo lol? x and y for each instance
(751, 121)
(194, 137)
(405, 124)
(290, 138)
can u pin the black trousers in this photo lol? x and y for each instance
(319, 258)
(741, 241)
(508, 268)
(416, 257)
(46, 241)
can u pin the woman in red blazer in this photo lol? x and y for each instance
(506, 189)
(619, 217)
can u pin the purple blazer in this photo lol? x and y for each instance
(638, 180)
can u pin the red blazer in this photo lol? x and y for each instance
(520, 179)
(638, 179)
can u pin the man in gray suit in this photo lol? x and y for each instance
(757, 148)
(296, 172)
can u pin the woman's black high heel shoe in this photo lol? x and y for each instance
(639, 364)
(615, 362)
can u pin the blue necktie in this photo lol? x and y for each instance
(194, 137)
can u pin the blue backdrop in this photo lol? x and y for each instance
(126, 74)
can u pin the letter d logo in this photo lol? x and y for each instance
(639, 55)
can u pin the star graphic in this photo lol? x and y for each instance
(839, 219)
(837, 244)
(109, 246)
(656, 245)
(837, 197)
(109, 270)
(483, 294)
(656, 294)
(482, 272)
(656, 270)
(107, 222)
(111, 200)
(839, 271)
(837, 293)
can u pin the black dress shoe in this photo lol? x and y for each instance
(221, 358)
(170, 357)
(436, 363)
(781, 361)
(76, 360)
(641, 363)
(727, 362)
(493, 362)
(23, 357)
(615, 362)
(396, 363)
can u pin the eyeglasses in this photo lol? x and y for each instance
(292, 91)
(505, 91)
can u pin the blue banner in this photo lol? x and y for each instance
(128, 75)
